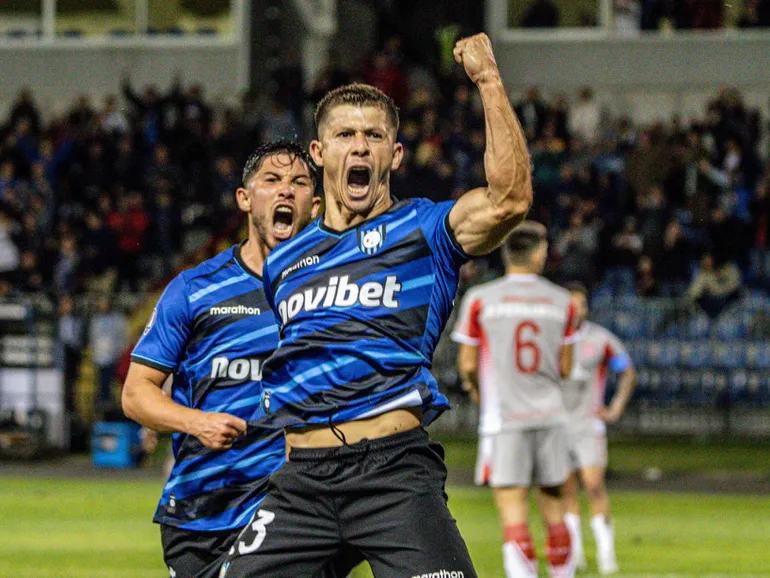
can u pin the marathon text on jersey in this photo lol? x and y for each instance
(341, 293)
(235, 310)
(311, 260)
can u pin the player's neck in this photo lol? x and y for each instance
(253, 253)
(340, 218)
(519, 270)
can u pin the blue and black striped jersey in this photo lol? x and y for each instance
(360, 313)
(213, 329)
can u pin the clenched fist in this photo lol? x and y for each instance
(218, 431)
(475, 54)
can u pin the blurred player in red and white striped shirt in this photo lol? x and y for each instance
(515, 335)
(596, 351)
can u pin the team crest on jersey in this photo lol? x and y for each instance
(371, 240)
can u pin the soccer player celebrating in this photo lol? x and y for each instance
(596, 350)
(212, 329)
(515, 337)
(361, 296)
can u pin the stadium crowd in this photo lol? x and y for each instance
(113, 196)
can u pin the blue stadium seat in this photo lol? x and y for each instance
(728, 355)
(698, 326)
(629, 325)
(729, 326)
(753, 387)
(637, 349)
(672, 382)
(758, 355)
(757, 299)
(695, 354)
(712, 382)
(664, 353)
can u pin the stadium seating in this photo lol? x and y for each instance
(684, 357)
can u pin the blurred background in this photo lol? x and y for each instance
(124, 125)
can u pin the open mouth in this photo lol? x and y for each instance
(283, 221)
(358, 180)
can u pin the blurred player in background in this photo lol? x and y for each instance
(515, 336)
(362, 296)
(596, 351)
(212, 329)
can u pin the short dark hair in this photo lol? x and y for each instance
(356, 94)
(577, 287)
(277, 147)
(522, 241)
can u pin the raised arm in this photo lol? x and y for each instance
(483, 217)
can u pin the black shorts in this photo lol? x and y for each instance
(383, 498)
(191, 554)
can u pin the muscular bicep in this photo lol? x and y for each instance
(480, 225)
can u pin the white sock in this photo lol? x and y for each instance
(576, 536)
(604, 534)
(517, 565)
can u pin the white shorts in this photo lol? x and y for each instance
(484, 460)
(530, 457)
(588, 450)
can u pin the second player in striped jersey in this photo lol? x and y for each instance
(212, 329)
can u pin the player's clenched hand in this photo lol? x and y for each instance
(608, 415)
(475, 54)
(218, 430)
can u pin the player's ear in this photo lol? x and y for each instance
(243, 199)
(316, 210)
(316, 149)
(398, 156)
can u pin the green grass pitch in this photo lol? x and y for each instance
(67, 528)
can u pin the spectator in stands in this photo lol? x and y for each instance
(541, 14)
(113, 120)
(66, 269)
(107, 337)
(82, 114)
(577, 248)
(627, 246)
(674, 260)
(25, 109)
(755, 13)
(99, 254)
(584, 117)
(72, 337)
(646, 281)
(627, 17)
(715, 285)
(652, 211)
(386, 76)
(150, 109)
(130, 224)
(532, 113)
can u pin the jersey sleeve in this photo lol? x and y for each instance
(434, 220)
(467, 328)
(163, 342)
(616, 354)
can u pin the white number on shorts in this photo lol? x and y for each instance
(264, 517)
